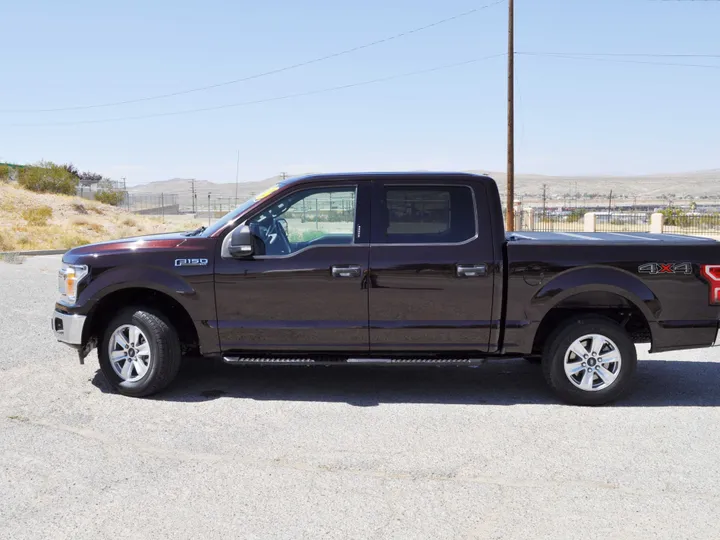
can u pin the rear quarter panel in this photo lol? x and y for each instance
(676, 306)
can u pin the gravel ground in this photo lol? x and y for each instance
(352, 452)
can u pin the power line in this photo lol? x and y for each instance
(265, 73)
(259, 101)
(618, 60)
(651, 55)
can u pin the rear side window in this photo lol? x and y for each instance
(427, 215)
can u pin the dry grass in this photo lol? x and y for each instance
(44, 221)
(38, 215)
(6, 242)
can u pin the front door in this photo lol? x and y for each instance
(307, 292)
(431, 262)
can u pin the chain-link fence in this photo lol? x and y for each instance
(694, 218)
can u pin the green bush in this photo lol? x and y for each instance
(38, 215)
(114, 198)
(675, 217)
(46, 177)
(5, 171)
(109, 195)
(576, 215)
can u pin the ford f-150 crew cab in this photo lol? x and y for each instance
(391, 268)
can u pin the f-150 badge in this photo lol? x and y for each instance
(665, 268)
(191, 262)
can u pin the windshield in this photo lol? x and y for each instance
(234, 213)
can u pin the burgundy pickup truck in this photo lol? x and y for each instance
(399, 269)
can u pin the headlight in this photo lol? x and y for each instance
(68, 279)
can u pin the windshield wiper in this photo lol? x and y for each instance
(197, 231)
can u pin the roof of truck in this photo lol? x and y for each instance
(431, 174)
(605, 238)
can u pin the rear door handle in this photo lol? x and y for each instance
(471, 270)
(346, 271)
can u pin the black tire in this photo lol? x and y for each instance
(165, 352)
(558, 344)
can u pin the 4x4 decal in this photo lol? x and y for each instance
(666, 268)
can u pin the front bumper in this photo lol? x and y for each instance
(68, 328)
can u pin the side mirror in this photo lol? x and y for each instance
(242, 242)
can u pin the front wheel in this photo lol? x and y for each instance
(139, 353)
(590, 361)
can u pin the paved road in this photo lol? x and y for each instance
(343, 453)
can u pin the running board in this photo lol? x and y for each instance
(269, 360)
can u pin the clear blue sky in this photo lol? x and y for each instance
(573, 116)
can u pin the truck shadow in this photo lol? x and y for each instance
(659, 384)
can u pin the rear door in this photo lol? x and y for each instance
(431, 259)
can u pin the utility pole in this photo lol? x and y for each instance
(510, 225)
(209, 213)
(577, 195)
(237, 175)
(127, 195)
(610, 202)
(193, 196)
(283, 176)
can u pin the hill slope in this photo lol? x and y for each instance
(45, 221)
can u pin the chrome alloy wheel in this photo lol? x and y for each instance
(129, 352)
(592, 362)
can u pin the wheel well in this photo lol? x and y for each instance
(167, 306)
(610, 305)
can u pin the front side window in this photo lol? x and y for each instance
(306, 218)
(427, 215)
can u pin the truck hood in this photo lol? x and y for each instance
(135, 243)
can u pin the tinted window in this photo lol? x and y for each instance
(426, 215)
(312, 217)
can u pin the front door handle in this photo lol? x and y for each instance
(346, 271)
(471, 270)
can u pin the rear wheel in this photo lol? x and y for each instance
(590, 361)
(139, 353)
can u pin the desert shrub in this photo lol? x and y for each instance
(108, 195)
(46, 177)
(113, 198)
(129, 222)
(73, 240)
(96, 227)
(675, 217)
(80, 208)
(37, 215)
(5, 172)
(576, 215)
(79, 222)
(98, 210)
(6, 242)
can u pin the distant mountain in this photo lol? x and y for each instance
(529, 187)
